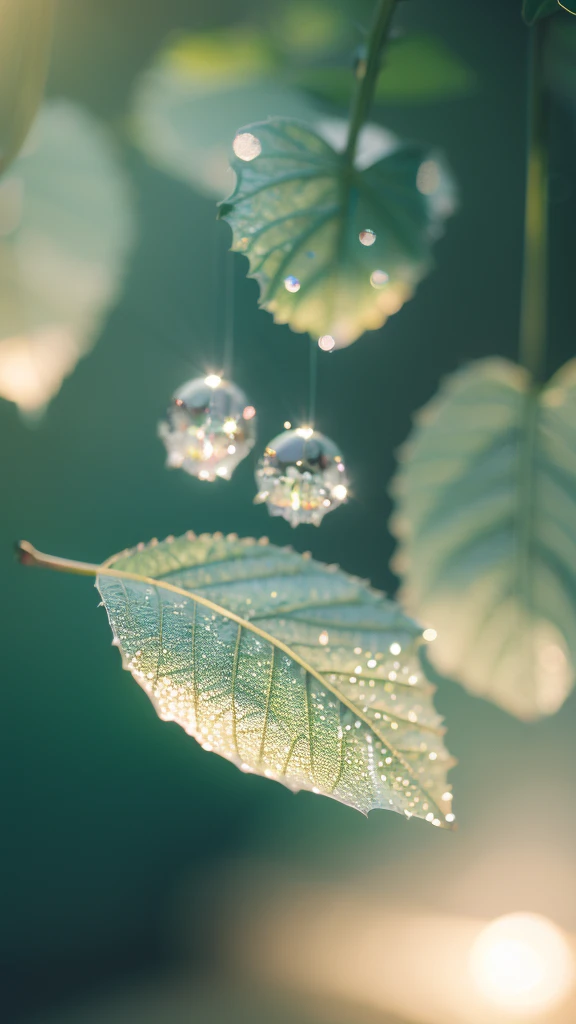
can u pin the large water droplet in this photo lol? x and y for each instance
(367, 237)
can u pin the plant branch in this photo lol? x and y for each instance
(533, 309)
(367, 82)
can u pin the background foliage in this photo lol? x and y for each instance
(109, 816)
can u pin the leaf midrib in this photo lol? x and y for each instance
(245, 624)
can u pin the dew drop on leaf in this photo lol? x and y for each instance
(291, 283)
(247, 146)
(326, 342)
(378, 278)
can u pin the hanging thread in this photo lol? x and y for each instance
(229, 314)
(313, 382)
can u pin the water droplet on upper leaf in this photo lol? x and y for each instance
(247, 146)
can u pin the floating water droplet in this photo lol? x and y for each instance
(326, 343)
(429, 635)
(246, 146)
(291, 283)
(379, 278)
(287, 425)
(367, 237)
(323, 638)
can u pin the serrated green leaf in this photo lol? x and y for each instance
(286, 667)
(417, 69)
(533, 10)
(297, 211)
(25, 39)
(486, 510)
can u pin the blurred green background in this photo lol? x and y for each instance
(109, 816)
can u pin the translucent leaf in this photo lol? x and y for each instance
(533, 10)
(286, 667)
(25, 38)
(65, 232)
(189, 103)
(298, 212)
(486, 510)
(417, 69)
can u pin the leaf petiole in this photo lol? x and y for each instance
(371, 69)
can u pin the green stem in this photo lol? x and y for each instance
(533, 318)
(367, 83)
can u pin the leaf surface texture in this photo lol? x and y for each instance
(283, 666)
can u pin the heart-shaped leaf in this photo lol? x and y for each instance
(486, 512)
(287, 667)
(25, 38)
(533, 10)
(66, 228)
(299, 213)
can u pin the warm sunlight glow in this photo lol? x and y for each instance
(213, 380)
(521, 963)
(33, 366)
(305, 432)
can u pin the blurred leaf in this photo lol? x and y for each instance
(297, 212)
(486, 510)
(65, 231)
(560, 57)
(214, 60)
(189, 103)
(533, 10)
(254, 650)
(25, 38)
(417, 69)
(309, 28)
